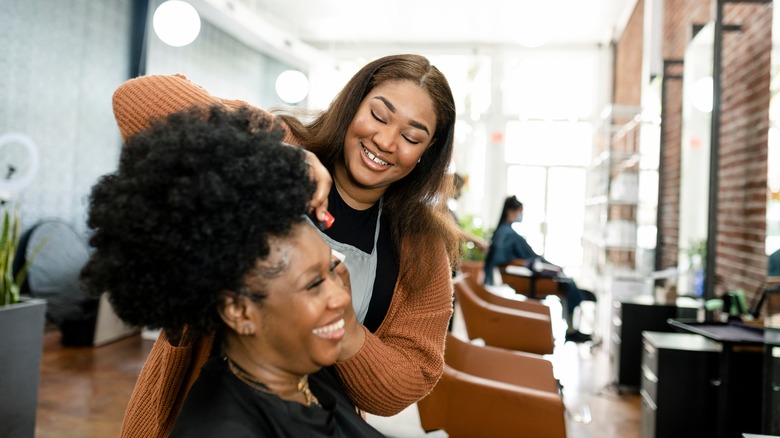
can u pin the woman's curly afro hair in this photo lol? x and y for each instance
(189, 212)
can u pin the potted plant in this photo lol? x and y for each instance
(472, 226)
(22, 323)
(697, 254)
(472, 258)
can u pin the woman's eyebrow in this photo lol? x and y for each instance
(413, 123)
(387, 103)
(419, 125)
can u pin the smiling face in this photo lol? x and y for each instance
(390, 131)
(300, 322)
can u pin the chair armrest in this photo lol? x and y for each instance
(517, 262)
(543, 286)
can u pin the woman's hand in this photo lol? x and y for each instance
(355, 333)
(320, 175)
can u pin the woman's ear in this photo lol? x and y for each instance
(236, 312)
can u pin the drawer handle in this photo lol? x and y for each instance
(649, 374)
(646, 398)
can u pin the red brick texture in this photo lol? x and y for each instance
(742, 185)
(741, 261)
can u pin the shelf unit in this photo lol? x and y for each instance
(609, 240)
(619, 206)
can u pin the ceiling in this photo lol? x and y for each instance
(340, 26)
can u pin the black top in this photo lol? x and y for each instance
(357, 228)
(221, 405)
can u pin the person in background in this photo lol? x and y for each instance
(773, 264)
(508, 247)
(386, 140)
(219, 242)
(466, 236)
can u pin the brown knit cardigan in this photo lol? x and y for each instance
(396, 366)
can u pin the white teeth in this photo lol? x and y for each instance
(338, 325)
(374, 158)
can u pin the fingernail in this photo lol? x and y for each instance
(329, 219)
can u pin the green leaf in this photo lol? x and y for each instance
(10, 234)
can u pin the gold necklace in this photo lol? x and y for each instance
(301, 386)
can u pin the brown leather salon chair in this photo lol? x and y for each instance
(501, 326)
(474, 269)
(492, 392)
(528, 284)
(521, 303)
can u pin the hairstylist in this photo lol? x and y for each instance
(387, 141)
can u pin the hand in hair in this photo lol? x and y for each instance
(319, 174)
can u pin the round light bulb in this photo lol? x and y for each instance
(292, 86)
(176, 23)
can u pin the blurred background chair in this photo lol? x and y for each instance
(502, 326)
(488, 391)
(518, 302)
(57, 253)
(474, 269)
(545, 280)
(526, 282)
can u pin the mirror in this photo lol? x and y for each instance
(773, 159)
(695, 161)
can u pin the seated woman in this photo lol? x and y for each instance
(204, 225)
(508, 247)
(773, 264)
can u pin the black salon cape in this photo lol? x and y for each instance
(220, 405)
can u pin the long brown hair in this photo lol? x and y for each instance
(415, 205)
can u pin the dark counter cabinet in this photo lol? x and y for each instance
(740, 373)
(679, 377)
(629, 319)
(771, 393)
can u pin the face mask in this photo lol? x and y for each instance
(519, 218)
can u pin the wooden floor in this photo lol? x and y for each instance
(84, 391)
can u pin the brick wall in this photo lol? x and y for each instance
(741, 259)
(679, 18)
(741, 222)
(628, 60)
